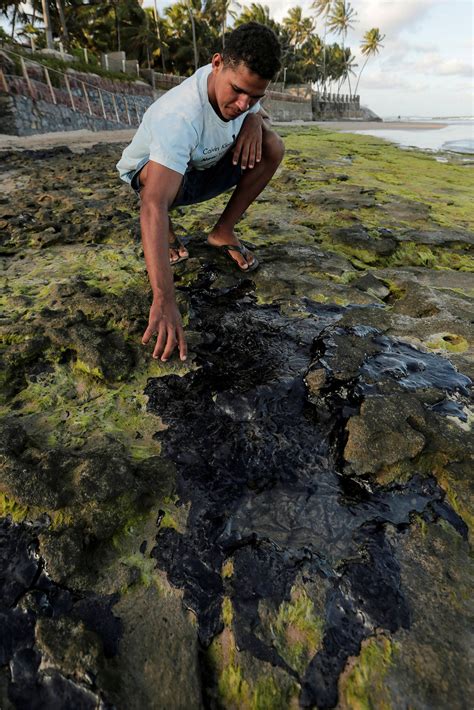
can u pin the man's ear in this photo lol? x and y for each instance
(217, 60)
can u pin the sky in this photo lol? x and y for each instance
(426, 65)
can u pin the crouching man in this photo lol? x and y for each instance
(201, 138)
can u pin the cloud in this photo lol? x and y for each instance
(393, 16)
(391, 81)
(390, 15)
(435, 64)
(379, 80)
(454, 67)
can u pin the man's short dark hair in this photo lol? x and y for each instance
(255, 45)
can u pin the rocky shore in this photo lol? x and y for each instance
(282, 521)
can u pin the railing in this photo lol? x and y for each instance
(336, 98)
(77, 93)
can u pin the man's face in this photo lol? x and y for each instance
(233, 90)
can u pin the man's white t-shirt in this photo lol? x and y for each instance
(181, 130)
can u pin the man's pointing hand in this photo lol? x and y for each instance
(165, 322)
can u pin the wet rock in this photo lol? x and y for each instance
(372, 285)
(417, 301)
(69, 646)
(29, 600)
(65, 554)
(438, 237)
(101, 477)
(158, 653)
(350, 197)
(105, 354)
(429, 659)
(386, 431)
(382, 244)
(403, 210)
(13, 438)
(38, 481)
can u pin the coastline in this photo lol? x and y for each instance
(375, 125)
(83, 139)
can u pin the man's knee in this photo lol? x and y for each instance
(273, 147)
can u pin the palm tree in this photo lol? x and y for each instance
(370, 46)
(138, 35)
(308, 58)
(340, 20)
(221, 8)
(18, 13)
(299, 27)
(348, 66)
(322, 8)
(158, 34)
(335, 64)
(193, 27)
(185, 23)
(257, 13)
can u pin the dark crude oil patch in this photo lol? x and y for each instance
(27, 596)
(261, 472)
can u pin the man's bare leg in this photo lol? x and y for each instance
(250, 186)
(175, 253)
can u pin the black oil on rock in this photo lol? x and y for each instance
(259, 461)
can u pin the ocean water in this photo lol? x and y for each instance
(457, 136)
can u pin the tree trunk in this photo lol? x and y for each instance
(158, 34)
(15, 10)
(62, 19)
(193, 27)
(47, 24)
(360, 74)
(117, 28)
(324, 51)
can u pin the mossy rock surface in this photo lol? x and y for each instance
(284, 519)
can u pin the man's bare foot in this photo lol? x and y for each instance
(218, 237)
(177, 250)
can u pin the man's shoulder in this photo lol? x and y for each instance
(184, 100)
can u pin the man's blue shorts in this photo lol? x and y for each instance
(200, 185)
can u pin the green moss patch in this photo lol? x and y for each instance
(362, 687)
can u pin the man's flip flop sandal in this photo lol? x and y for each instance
(242, 250)
(176, 244)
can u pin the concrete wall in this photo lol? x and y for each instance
(336, 108)
(282, 109)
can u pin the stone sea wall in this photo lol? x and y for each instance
(22, 116)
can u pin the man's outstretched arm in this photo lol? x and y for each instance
(160, 186)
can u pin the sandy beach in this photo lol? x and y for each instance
(81, 140)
